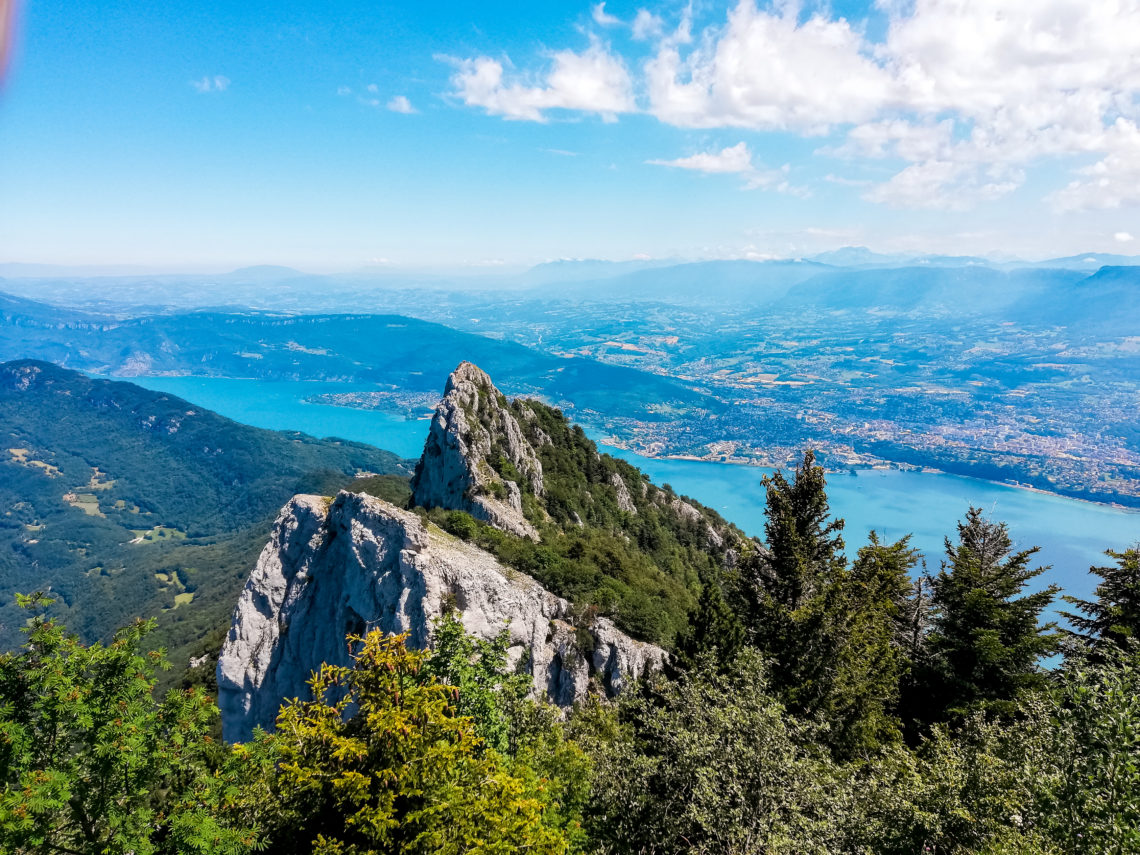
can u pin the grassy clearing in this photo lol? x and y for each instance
(86, 502)
(158, 534)
(23, 456)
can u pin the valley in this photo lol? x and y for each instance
(951, 368)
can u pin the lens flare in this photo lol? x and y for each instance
(7, 25)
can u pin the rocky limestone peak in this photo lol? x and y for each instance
(356, 563)
(476, 457)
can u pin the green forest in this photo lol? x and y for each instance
(126, 502)
(812, 705)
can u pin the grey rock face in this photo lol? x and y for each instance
(473, 427)
(624, 499)
(358, 563)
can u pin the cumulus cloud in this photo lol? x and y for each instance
(1111, 182)
(602, 18)
(401, 104)
(593, 81)
(964, 95)
(217, 83)
(1123, 237)
(735, 160)
(767, 71)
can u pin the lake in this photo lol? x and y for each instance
(1072, 534)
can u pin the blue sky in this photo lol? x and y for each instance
(342, 134)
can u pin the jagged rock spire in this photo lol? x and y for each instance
(476, 458)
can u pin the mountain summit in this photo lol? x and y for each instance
(475, 440)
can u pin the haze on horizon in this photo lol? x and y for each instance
(499, 136)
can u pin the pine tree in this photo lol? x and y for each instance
(873, 657)
(794, 593)
(714, 626)
(986, 638)
(1113, 618)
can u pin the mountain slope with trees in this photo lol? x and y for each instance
(126, 502)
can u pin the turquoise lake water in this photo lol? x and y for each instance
(1072, 534)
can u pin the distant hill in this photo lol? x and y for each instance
(262, 273)
(131, 503)
(587, 269)
(1108, 302)
(1088, 261)
(931, 289)
(386, 350)
(702, 283)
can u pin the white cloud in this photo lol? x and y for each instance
(1123, 237)
(401, 104)
(945, 185)
(373, 88)
(602, 18)
(593, 81)
(735, 160)
(561, 152)
(344, 90)
(767, 71)
(964, 95)
(1112, 182)
(646, 25)
(217, 83)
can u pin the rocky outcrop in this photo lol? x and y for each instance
(333, 568)
(476, 458)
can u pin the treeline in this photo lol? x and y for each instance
(815, 705)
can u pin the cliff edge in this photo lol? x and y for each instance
(333, 568)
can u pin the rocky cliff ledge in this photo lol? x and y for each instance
(358, 563)
(473, 435)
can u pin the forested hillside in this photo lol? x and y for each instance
(609, 539)
(821, 706)
(129, 503)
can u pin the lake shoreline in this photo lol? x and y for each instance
(888, 466)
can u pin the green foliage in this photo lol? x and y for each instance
(1113, 618)
(91, 763)
(873, 658)
(715, 628)
(404, 773)
(157, 460)
(986, 640)
(709, 763)
(391, 488)
(487, 691)
(794, 595)
(1094, 725)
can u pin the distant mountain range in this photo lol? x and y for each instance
(376, 288)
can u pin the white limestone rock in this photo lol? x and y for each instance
(472, 426)
(358, 563)
(624, 499)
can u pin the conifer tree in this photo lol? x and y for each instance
(986, 638)
(1113, 618)
(873, 657)
(794, 593)
(714, 627)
